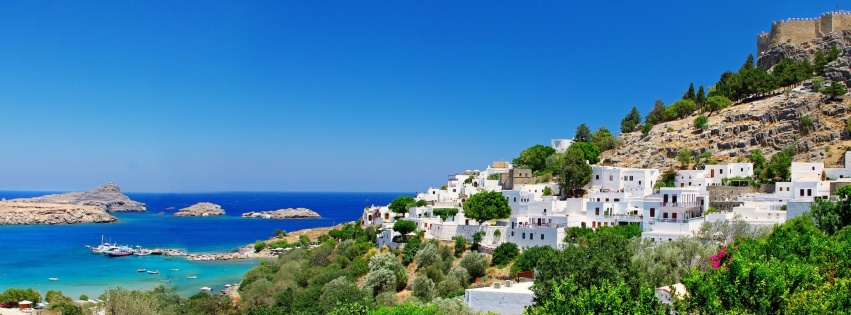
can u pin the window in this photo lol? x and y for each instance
(597, 211)
(809, 192)
(597, 177)
(524, 236)
(515, 199)
(607, 199)
(721, 171)
(542, 235)
(802, 192)
(531, 236)
(673, 215)
(742, 169)
(652, 212)
(453, 189)
(664, 215)
(617, 199)
(611, 177)
(639, 182)
(630, 178)
(814, 168)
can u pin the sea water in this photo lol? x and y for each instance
(30, 255)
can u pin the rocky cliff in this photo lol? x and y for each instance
(289, 213)
(15, 213)
(769, 124)
(201, 209)
(108, 197)
(837, 70)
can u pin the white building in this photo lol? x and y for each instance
(637, 182)
(508, 299)
(837, 173)
(679, 213)
(561, 145)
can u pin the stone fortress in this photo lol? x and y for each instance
(801, 30)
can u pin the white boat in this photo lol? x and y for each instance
(207, 289)
(143, 252)
(227, 285)
(174, 269)
(141, 270)
(154, 272)
(191, 277)
(53, 279)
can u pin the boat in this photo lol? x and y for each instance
(143, 252)
(121, 251)
(208, 289)
(154, 272)
(141, 270)
(191, 277)
(53, 279)
(227, 285)
(174, 269)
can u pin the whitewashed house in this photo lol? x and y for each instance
(680, 212)
(637, 182)
(505, 298)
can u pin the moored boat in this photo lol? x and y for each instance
(191, 277)
(141, 270)
(154, 272)
(207, 289)
(53, 279)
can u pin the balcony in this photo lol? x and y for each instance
(680, 205)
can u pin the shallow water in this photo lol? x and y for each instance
(29, 255)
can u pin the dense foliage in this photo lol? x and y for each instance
(486, 205)
(571, 169)
(401, 204)
(504, 254)
(534, 158)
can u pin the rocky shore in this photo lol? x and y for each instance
(108, 197)
(20, 213)
(201, 209)
(289, 213)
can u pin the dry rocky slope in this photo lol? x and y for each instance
(769, 124)
(15, 213)
(107, 197)
(201, 209)
(289, 213)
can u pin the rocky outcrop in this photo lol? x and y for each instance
(770, 125)
(289, 213)
(107, 197)
(839, 39)
(17, 213)
(201, 209)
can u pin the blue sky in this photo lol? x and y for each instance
(335, 95)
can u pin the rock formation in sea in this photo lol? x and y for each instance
(108, 197)
(201, 209)
(289, 213)
(18, 213)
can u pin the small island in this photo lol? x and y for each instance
(289, 213)
(107, 197)
(201, 209)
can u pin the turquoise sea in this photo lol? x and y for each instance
(29, 255)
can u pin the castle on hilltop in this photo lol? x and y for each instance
(800, 30)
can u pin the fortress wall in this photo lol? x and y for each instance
(800, 30)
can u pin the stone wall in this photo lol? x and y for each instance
(801, 30)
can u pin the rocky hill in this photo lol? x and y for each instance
(107, 197)
(769, 124)
(837, 70)
(14, 213)
(201, 209)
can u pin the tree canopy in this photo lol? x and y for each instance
(590, 151)
(604, 139)
(534, 157)
(632, 119)
(401, 204)
(583, 133)
(486, 205)
(571, 170)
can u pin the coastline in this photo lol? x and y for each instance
(247, 251)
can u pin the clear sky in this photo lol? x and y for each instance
(178, 96)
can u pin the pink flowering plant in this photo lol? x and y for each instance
(721, 258)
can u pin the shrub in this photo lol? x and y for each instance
(434, 273)
(358, 267)
(84, 297)
(531, 258)
(385, 299)
(460, 274)
(428, 255)
(646, 128)
(451, 306)
(423, 288)
(445, 213)
(259, 245)
(475, 263)
(340, 291)
(504, 254)
(806, 124)
(410, 251)
(450, 288)
(548, 191)
(379, 281)
(460, 245)
(389, 262)
(404, 226)
(701, 122)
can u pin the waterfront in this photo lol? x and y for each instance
(34, 253)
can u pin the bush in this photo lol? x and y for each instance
(410, 251)
(701, 122)
(340, 291)
(379, 281)
(434, 273)
(428, 255)
(358, 267)
(459, 274)
(504, 254)
(531, 258)
(475, 263)
(451, 306)
(460, 245)
(389, 262)
(548, 191)
(423, 288)
(259, 245)
(84, 297)
(646, 128)
(404, 226)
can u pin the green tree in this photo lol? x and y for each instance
(547, 192)
(444, 213)
(605, 298)
(404, 226)
(424, 288)
(778, 167)
(401, 204)
(716, 103)
(486, 205)
(701, 122)
(475, 263)
(122, 301)
(830, 217)
(684, 156)
(700, 98)
(632, 119)
(339, 291)
(590, 152)
(604, 139)
(657, 114)
(682, 108)
(571, 170)
(504, 254)
(834, 90)
(460, 245)
(758, 161)
(534, 157)
(421, 203)
(531, 258)
(583, 133)
(689, 95)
